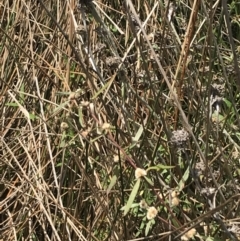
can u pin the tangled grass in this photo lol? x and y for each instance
(93, 92)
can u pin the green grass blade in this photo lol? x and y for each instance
(132, 196)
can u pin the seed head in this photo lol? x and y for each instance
(74, 95)
(64, 126)
(179, 138)
(143, 204)
(105, 126)
(140, 173)
(174, 193)
(189, 234)
(175, 201)
(152, 213)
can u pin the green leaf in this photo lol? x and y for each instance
(213, 239)
(11, 104)
(149, 226)
(138, 135)
(217, 117)
(32, 116)
(159, 167)
(132, 196)
(227, 102)
(63, 140)
(148, 180)
(21, 101)
(134, 205)
(183, 180)
(112, 183)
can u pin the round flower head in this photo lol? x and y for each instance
(174, 193)
(189, 234)
(175, 202)
(64, 126)
(143, 204)
(152, 213)
(140, 173)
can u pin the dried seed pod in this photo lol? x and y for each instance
(135, 23)
(217, 90)
(179, 138)
(113, 61)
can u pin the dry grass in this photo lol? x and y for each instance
(90, 92)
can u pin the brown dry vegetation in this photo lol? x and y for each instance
(92, 90)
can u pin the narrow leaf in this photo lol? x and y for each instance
(138, 135)
(148, 180)
(32, 116)
(60, 107)
(132, 196)
(11, 104)
(149, 226)
(80, 117)
(100, 91)
(184, 179)
(159, 167)
(63, 140)
(112, 183)
(227, 102)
